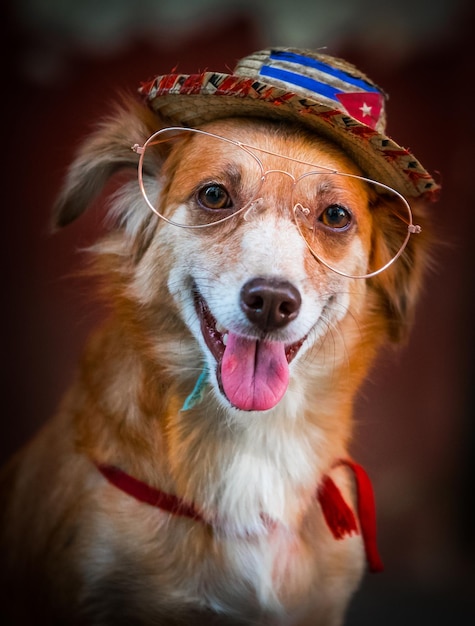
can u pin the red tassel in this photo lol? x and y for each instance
(338, 515)
(341, 519)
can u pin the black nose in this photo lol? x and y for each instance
(270, 303)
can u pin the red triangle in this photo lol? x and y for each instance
(363, 106)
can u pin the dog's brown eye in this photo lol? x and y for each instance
(214, 197)
(336, 216)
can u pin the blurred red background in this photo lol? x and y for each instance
(415, 431)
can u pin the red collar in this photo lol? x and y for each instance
(338, 515)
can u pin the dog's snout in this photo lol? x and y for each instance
(269, 303)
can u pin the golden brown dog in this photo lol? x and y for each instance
(190, 473)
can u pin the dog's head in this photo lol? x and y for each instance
(235, 286)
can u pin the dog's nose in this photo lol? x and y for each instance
(270, 303)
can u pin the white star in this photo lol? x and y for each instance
(365, 109)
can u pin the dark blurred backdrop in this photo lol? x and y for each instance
(66, 60)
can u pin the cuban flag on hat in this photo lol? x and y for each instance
(325, 83)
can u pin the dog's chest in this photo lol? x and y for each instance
(170, 562)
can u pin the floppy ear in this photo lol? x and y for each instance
(107, 151)
(398, 286)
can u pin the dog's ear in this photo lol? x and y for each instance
(105, 152)
(398, 286)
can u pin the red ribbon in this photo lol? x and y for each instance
(338, 515)
(144, 493)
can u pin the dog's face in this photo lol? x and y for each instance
(263, 310)
(248, 289)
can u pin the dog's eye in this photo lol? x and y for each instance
(336, 216)
(214, 196)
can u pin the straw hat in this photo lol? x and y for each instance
(321, 92)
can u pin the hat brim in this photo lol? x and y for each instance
(194, 99)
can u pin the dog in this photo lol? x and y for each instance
(198, 468)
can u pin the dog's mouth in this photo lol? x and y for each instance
(252, 373)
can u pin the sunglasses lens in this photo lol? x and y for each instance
(338, 214)
(211, 181)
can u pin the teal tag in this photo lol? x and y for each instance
(198, 391)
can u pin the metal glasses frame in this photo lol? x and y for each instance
(155, 139)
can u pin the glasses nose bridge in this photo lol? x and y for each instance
(278, 187)
(279, 171)
(279, 198)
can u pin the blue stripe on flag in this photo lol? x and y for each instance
(292, 57)
(301, 81)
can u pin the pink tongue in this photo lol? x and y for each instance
(254, 374)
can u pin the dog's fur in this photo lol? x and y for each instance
(77, 550)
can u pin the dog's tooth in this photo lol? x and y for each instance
(225, 338)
